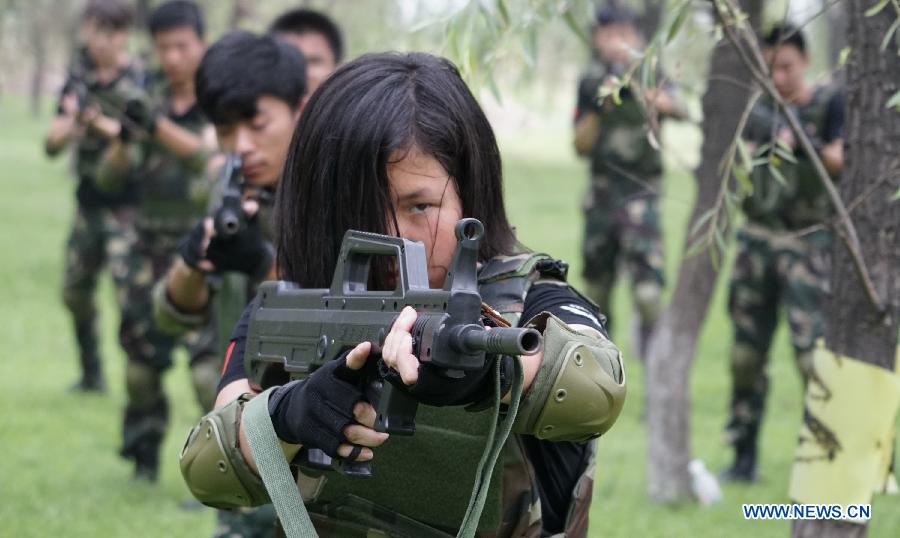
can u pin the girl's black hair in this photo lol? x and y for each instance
(335, 177)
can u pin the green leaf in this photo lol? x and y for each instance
(683, 11)
(503, 11)
(894, 101)
(697, 247)
(715, 254)
(530, 47)
(782, 145)
(896, 195)
(576, 27)
(843, 56)
(647, 66)
(776, 173)
(889, 34)
(703, 219)
(743, 152)
(787, 155)
(743, 178)
(872, 11)
(495, 90)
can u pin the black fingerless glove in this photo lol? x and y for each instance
(314, 411)
(190, 245)
(435, 387)
(137, 119)
(245, 252)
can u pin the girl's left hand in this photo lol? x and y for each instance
(397, 351)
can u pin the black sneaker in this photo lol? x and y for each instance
(89, 384)
(742, 470)
(144, 472)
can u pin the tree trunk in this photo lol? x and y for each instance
(853, 327)
(240, 10)
(141, 14)
(675, 341)
(39, 49)
(836, 17)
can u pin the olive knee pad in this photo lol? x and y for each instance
(80, 303)
(747, 365)
(143, 383)
(579, 389)
(648, 300)
(205, 375)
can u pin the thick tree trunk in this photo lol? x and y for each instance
(673, 346)
(853, 327)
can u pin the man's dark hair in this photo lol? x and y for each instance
(240, 68)
(110, 14)
(301, 21)
(614, 14)
(177, 14)
(787, 34)
(366, 114)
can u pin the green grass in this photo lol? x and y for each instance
(60, 475)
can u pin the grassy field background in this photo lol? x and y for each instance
(60, 475)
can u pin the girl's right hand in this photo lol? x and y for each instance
(327, 411)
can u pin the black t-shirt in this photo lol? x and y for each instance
(557, 465)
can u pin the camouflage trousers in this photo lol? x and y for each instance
(623, 229)
(149, 350)
(98, 236)
(772, 269)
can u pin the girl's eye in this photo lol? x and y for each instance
(420, 208)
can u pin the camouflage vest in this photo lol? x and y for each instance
(174, 190)
(111, 98)
(422, 483)
(800, 200)
(622, 153)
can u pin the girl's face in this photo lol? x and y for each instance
(427, 207)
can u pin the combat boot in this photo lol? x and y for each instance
(742, 470)
(146, 459)
(92, 383)
(744, 467)
(143, 431)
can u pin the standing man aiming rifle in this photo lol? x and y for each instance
(101, 80)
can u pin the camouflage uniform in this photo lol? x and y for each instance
(780, 260)
(621, 205)
(174, 194)
(103, 222)
(230, 294)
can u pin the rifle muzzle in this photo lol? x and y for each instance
(499, 340)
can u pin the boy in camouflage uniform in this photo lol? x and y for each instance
(621, 204)
(100, 81)
(251, 88)
(166, 143)
(783, 249)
